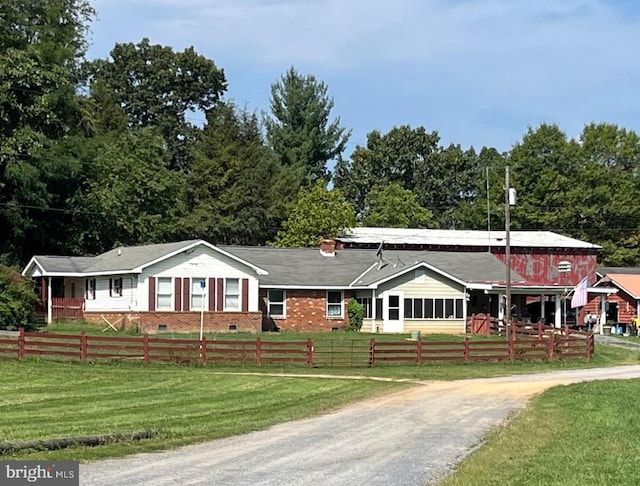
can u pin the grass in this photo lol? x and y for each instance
(582, 434)
(605, 356)
(45, 399)
(189, 403)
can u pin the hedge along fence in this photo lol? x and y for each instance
(309, 352)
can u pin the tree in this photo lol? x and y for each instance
(396, 156)
(17, 299)
(228, 197)
(157, 87)
(299, 130)
(441, 178)
(41, 45)
(131, 194)
(394, 207)
(319, 214)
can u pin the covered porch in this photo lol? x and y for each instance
(60, 298)
(549, 305)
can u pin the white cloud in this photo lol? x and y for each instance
(459, 61)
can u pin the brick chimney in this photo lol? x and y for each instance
(328, 248)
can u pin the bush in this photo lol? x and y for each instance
(356, 315)
(17, 299)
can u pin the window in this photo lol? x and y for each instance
(366, 303)
(334, 303)
(115, 287)
(276, 301)
(198, 286)
(90, 288)
(433, 308)
(164, 293)
(232, 294)
(394, 308)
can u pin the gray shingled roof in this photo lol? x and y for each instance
(307, 267)
(469, 267)
(130, 257)
(62, 264)
(134, 256)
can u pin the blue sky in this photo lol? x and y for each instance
(479, 72)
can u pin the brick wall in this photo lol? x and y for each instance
(180, 321)
(306, 311)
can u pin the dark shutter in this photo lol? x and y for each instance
(178, 293)
(212, 294)
(152, 293)
(245, 295)
(186, 294)
(220, 294)
(110, 287)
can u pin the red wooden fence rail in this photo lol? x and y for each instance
(318, 353)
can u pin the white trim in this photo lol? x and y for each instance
(194, 244)
(139, 269)
(35, 262)
(310, 287)
(172, 287)
(352, 284)
(413, 267)
(239, 294)
(284, 304)
(327, 304)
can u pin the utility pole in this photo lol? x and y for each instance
(507, 253)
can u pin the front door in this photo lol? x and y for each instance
(393, 312)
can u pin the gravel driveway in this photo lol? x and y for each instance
(412, 437)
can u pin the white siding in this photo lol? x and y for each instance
(201, 263)
(105, 302)
(425, 284)
(71, 284)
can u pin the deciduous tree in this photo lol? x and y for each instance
(318, 214)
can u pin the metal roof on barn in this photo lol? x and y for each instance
(463, 238)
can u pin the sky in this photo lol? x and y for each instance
(479, 72)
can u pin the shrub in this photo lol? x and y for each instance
(356, 315)
(17, 299)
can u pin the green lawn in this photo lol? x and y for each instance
(190, 403)
(46, 399)
(583, 434)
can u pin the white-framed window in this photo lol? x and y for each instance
(198, 286)
(335, 303)
(277, 303)
(115, 287)
(90, 289)
(232, 294)
(164, 294)
(447, 308)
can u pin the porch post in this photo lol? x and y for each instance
(603, 313)
(501, 308)
(558, 315)
(373, 310)
(49, 303)
(543, 314)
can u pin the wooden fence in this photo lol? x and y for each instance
(307, 352)
(62, 308)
